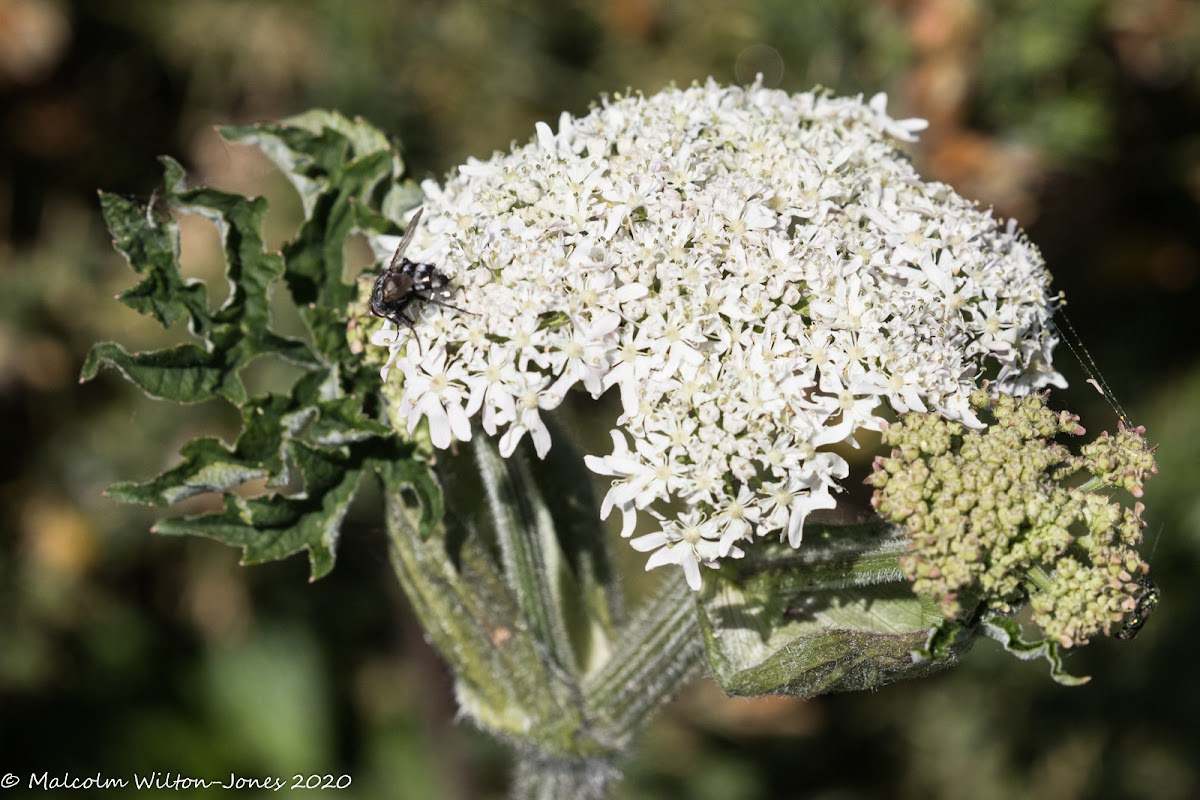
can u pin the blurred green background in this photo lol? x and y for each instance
(124, 652)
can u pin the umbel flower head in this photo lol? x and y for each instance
(994, 520)
(759, 275)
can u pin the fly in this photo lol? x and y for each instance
(405, 282)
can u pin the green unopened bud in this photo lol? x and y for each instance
(999, 520)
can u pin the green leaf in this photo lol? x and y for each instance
(458, 591)
(309, 444)
(1008, 632)
(270, 425)
(539, 520)
(152, 248)
(943, 639)
(587, 589)
(235, 334)
(834, 615)
(343, 171)
(185, 373)
(307, 145)
(275, 527)
(208, 467)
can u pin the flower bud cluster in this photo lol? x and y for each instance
(995, 518)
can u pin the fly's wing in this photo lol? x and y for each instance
(408, 235)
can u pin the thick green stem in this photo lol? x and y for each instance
(540, 777)
(656, 654)
(516, 594)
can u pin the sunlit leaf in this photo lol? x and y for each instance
(303, 448)
(835, 615)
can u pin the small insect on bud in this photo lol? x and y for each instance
(1145, 605)
(405, 281)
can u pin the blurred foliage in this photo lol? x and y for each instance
(120, 651)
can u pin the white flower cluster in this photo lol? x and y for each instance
(756, 272)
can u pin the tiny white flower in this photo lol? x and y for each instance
(689, 541)
(436, 391)
(786, 504)
(737, 518)
(530, 398)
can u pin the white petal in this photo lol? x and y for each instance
(545, 136)
(651, 541)
(628, 519)
(541, 436)
(510, 440)
(460, 425)
(439, 424)
(668, 555)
